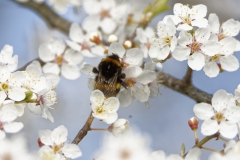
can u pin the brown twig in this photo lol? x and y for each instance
(181, 87)
(53, 20)
(83, 132)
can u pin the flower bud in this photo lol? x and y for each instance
(193, 123)
(112, 38)
(40, 144)
(119, 127)
(127, 44)
(95, 38)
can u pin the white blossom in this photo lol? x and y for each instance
(55, 146)
(104, 109)
(10, 83)
(165, 42)
(7, 59)
(81, 42)
(15, 149)
(58, 60)
(222, 116)
(195, 47)
(145, 37)
(187, 18)
(8, 113)
(129, 146)
(120, 127)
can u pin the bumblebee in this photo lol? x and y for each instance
(109, 77)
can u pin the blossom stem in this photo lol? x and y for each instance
(223, 139)
(204, 140)
(98, 129)
(210, 149)
(84, 130)
(195, 135)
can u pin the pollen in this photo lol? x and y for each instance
(4, 86)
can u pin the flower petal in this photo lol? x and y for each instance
(211, 69)
(132, 71)
(203, 111)
(71, 151)
(211, 48)
(125, 97)
(97, 98)
(91, 23)
(76, 33)
(209, 127)
(196, 61)
(45, 137)
(111, 118)
(229, 63)
(181, 53)
(70, 71)
(220, 100)
(134, 56)
(13, 127)
(228, 129)
(108, 25)
(146, 77)
(185, 38)
(112, 104)
(201, 23)
(198, 11)
(228, 46)
(214, 23)
(59, 135)
(231, 27)
(116, 48)
(51, 68)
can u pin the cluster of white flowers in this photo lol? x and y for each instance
(53, 145)
(204, 43)
(19, 89)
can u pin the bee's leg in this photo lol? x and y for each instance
(122, 76)
(125, 85)
(95, 70)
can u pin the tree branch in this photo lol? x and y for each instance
(83, 132)
(188, 76)
(52, 19)
(181, 87)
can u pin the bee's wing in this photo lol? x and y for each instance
(108, 87)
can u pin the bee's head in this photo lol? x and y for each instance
(114, 56)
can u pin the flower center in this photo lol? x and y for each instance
(6, 156)
(4, 86)
(104, 14)
(99, 110)
(215, 57)
(85, 46)
(167, 41)
(187, 20)
(221, 36)
(219, 117)
(195, 47)
(130, 82)
(57, 148)
(59, 60)
(125, 154)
